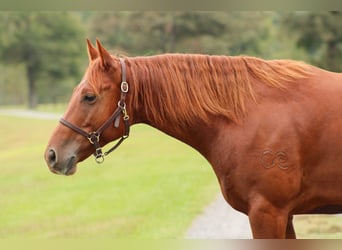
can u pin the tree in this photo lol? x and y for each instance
(46, 43)
(142, 33)
(320, 34)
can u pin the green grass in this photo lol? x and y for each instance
(150, 188)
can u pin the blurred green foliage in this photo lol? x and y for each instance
(47, 46)
(43, 54)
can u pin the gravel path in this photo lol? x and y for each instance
(220, 221)
(31, 114)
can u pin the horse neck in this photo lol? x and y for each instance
(193, 135)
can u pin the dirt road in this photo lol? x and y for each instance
(219, 221)
(30, 114)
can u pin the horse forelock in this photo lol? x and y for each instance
(94, 76)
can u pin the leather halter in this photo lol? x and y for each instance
(94, 137)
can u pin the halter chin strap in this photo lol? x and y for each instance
(94, 137)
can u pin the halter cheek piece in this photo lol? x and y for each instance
(94, 137)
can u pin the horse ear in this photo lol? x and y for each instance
(92, 51)
(106, 59)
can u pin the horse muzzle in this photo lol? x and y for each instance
(59, 166)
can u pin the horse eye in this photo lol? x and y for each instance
(89, 98)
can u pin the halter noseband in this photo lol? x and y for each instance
(94, 137)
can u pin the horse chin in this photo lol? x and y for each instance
(65, 172)
(69, 169)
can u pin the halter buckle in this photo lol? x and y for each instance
(124, 87)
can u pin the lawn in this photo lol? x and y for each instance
(150, 188)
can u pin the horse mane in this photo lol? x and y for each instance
(178, 87)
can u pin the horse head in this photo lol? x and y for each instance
(97, 103)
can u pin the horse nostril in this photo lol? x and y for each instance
(52, 157)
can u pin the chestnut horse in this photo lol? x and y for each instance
(271, 129)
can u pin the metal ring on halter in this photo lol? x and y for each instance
(91, 136)
(99, 159)
(122, 106)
